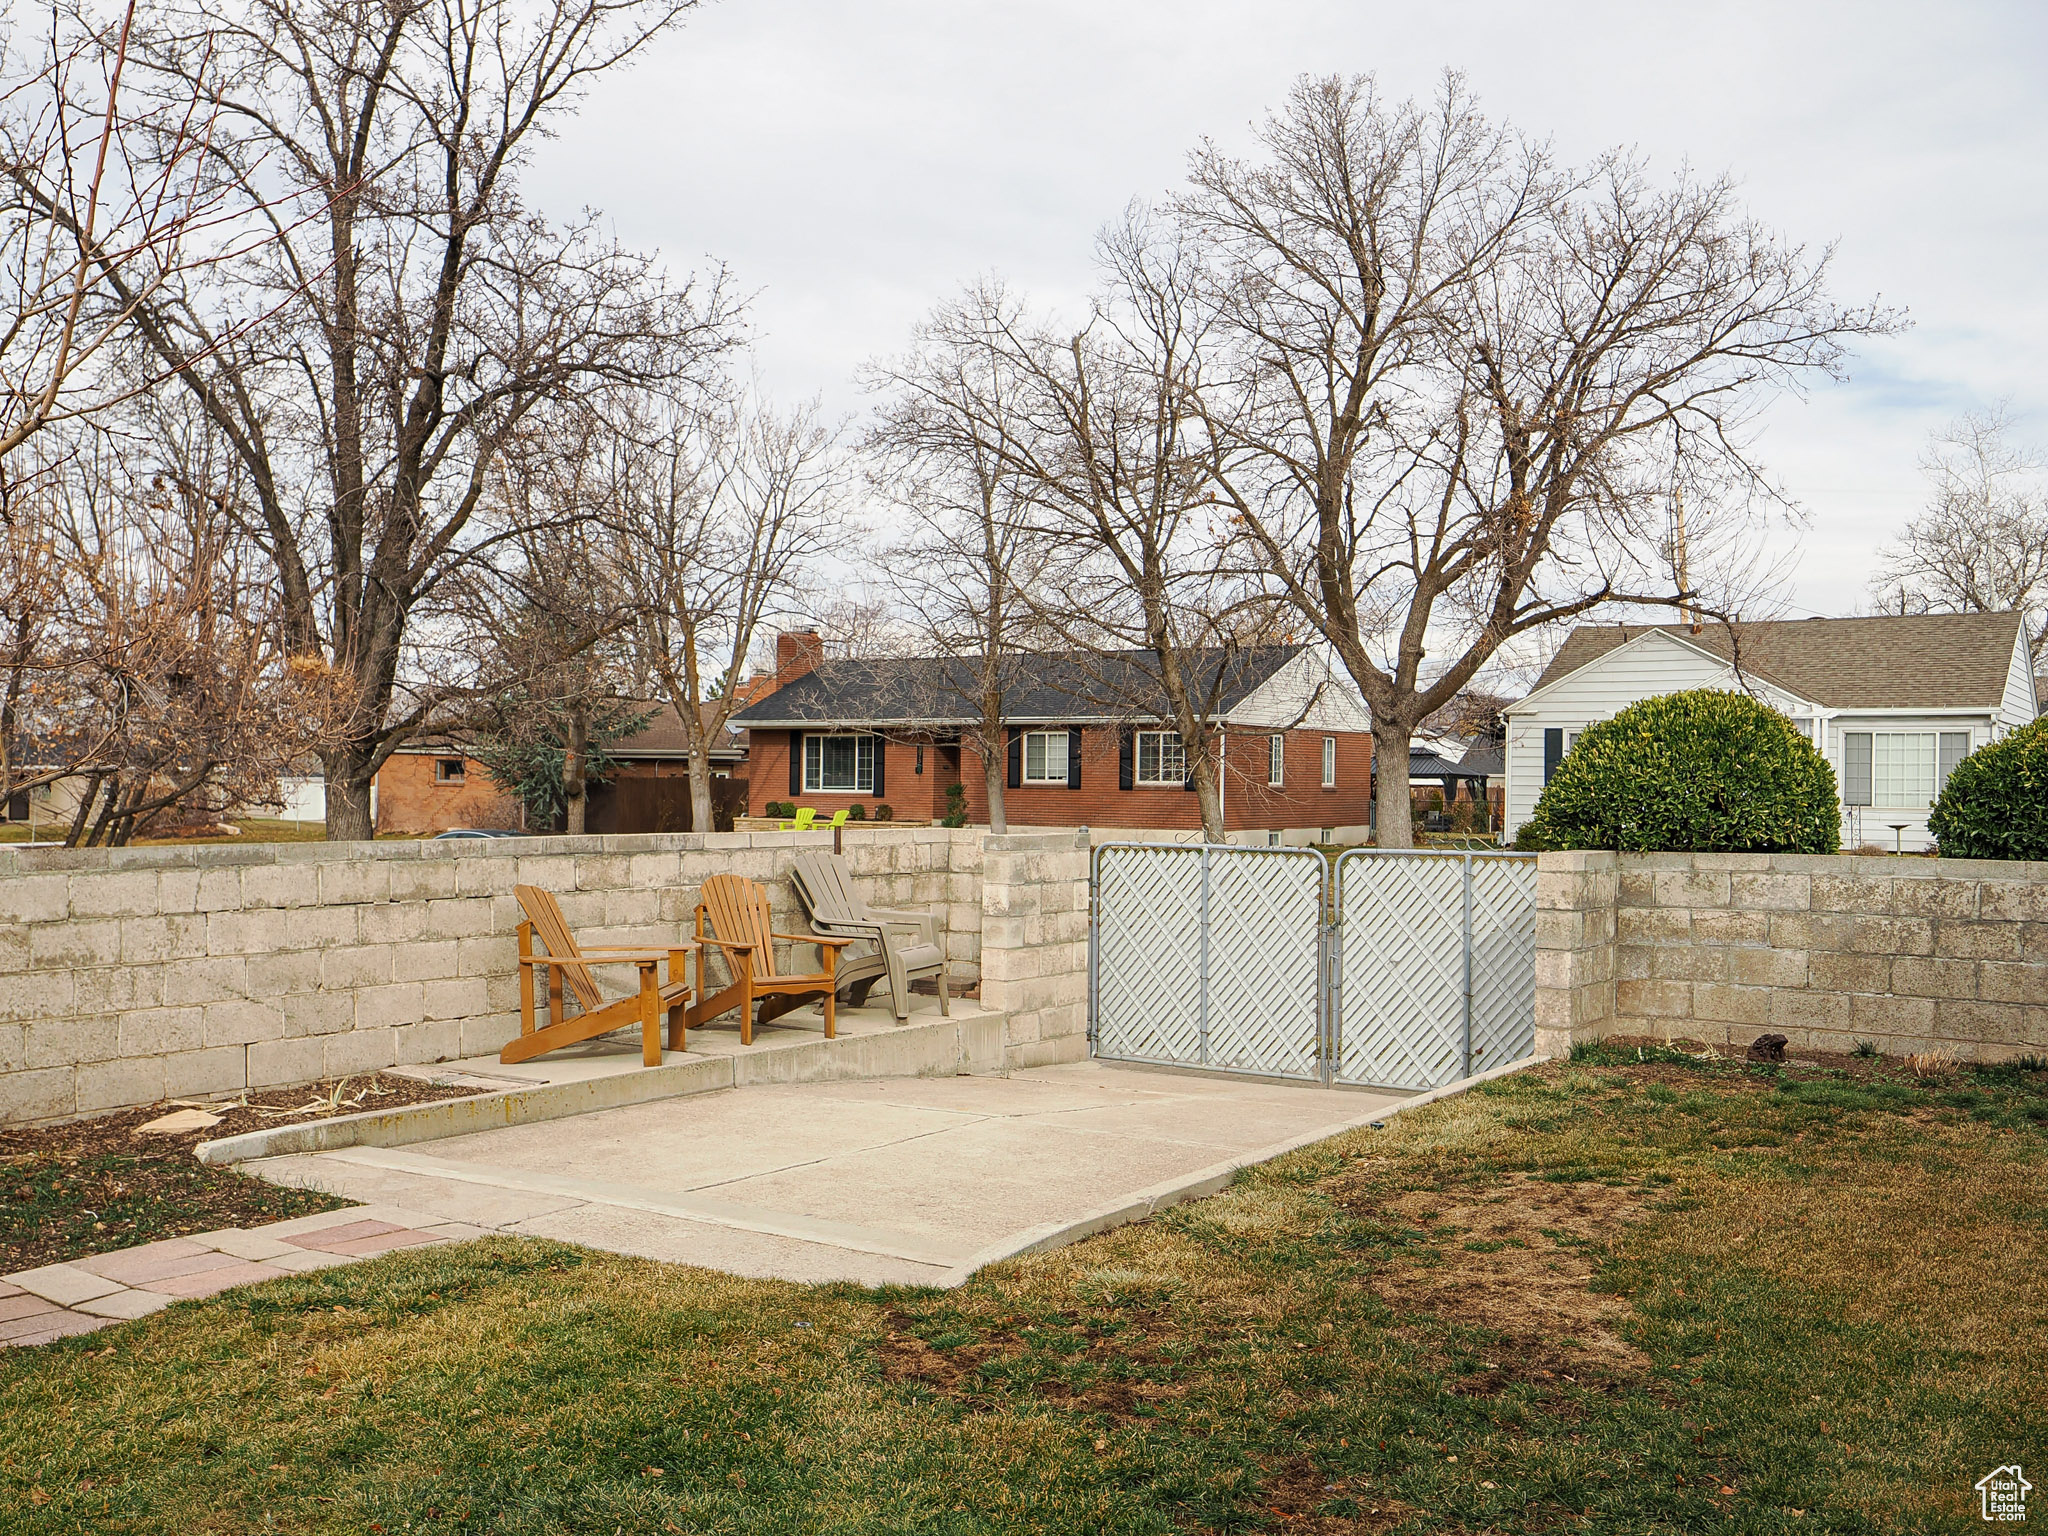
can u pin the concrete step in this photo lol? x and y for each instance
(610, 1076)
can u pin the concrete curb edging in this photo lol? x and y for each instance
(940, 1048)
(1200, 1184)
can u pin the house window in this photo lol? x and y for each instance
(1276, 760)
(1045, 757)
(1160, 759)
(918, 766)
(448, 770)
(1329, 762)
(1899, 769)
(842, 763)
(1955, 746)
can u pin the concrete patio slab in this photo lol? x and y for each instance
(900, 1180)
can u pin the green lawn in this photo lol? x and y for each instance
(1652, 1297)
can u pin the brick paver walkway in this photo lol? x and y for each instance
(56, 1300)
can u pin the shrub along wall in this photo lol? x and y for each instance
(129, 975)
(1908, 954)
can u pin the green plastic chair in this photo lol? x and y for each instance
(805, 815)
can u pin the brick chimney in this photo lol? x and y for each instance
(797, 651)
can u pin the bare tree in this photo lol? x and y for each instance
(1109, 483)
(1447, 384)
(541, 622)
(93, 181)
(368, 367)
(155, 676)
(1981, 545)
(938, 451)
(714, 511)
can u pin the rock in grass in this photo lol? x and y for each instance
(1767, 1048)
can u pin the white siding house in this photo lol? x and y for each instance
(1893, 702)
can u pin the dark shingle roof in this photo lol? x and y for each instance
(1909, 661)
(1485, 757)
(927, 690)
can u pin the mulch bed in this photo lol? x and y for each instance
(68, 1191)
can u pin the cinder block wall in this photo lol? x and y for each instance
(1909, 954)
(1575, 917)
(1034, 928)
(130, 975)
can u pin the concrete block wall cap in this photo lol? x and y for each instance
(1201, 1183)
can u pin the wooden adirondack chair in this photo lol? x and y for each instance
(737, 911)
(906, 944)
(566, 962)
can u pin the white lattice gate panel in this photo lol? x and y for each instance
(1265, 960)
(1148, 954)
(1401, 969)
(1503, 961)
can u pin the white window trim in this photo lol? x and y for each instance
(814, 764)
(1165, 780)
(1276, 761)
(1329, 762)
(1065, 774)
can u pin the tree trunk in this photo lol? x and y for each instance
(995, 778)
(1396, 813)
(575, 756)
(1207, 778)
(700, 791)
(348, 796)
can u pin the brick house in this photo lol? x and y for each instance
(1086, 744)
(432, 785)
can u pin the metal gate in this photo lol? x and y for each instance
(1392, 969)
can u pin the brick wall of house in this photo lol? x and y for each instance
(411, 801)
(1249, 803)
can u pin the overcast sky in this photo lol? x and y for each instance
(855, 162)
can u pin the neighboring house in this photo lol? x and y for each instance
(1088, 744)
(432, 784)
(1893, 703)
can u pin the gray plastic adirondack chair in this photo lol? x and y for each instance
(906, 944)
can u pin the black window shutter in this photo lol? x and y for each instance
(1074, 757)
(881, 761)
(1016, 758)
(1553, 750)
(1125, 776)
(796, 762)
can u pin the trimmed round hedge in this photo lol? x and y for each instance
(1704, 771)
(1995, 804)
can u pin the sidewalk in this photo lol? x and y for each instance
(57, 1300)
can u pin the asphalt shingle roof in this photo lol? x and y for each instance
(1897, 661)
(925, 690)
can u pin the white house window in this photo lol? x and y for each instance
(844, 763)
(1160, 758)
(1329, 762)
(1045, 757)
(1899, 769)
(1276, 760)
